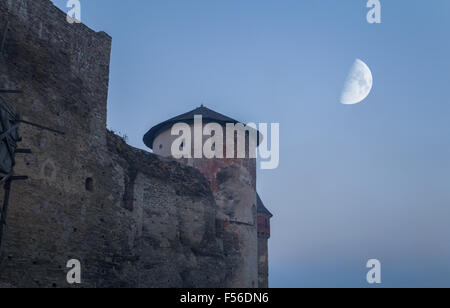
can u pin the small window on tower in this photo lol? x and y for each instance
(160, 146)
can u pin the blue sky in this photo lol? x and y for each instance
(355, 182)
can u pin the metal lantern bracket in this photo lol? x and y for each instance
(10, 138)
(7, 179)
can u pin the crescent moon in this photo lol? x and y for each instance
(358, 84)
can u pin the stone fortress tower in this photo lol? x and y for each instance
(242, 217)
(132, 218)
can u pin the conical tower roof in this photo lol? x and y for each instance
(207, 114)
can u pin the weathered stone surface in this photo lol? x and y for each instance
(133, 219)
(263, 263)
(175, 236)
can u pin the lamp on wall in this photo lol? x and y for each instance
(9, 138)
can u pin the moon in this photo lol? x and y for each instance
(358, 84)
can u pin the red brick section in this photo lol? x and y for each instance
(263, 225)
(210, 167)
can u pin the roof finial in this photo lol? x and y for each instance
(202, 105)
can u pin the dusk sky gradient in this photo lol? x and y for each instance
(355, 182)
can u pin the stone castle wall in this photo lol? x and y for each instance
(132, 218)
(233, 185)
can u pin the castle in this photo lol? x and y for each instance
(233, 183)
(132, 218)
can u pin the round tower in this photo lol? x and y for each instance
(232, 179)
(263, 218)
